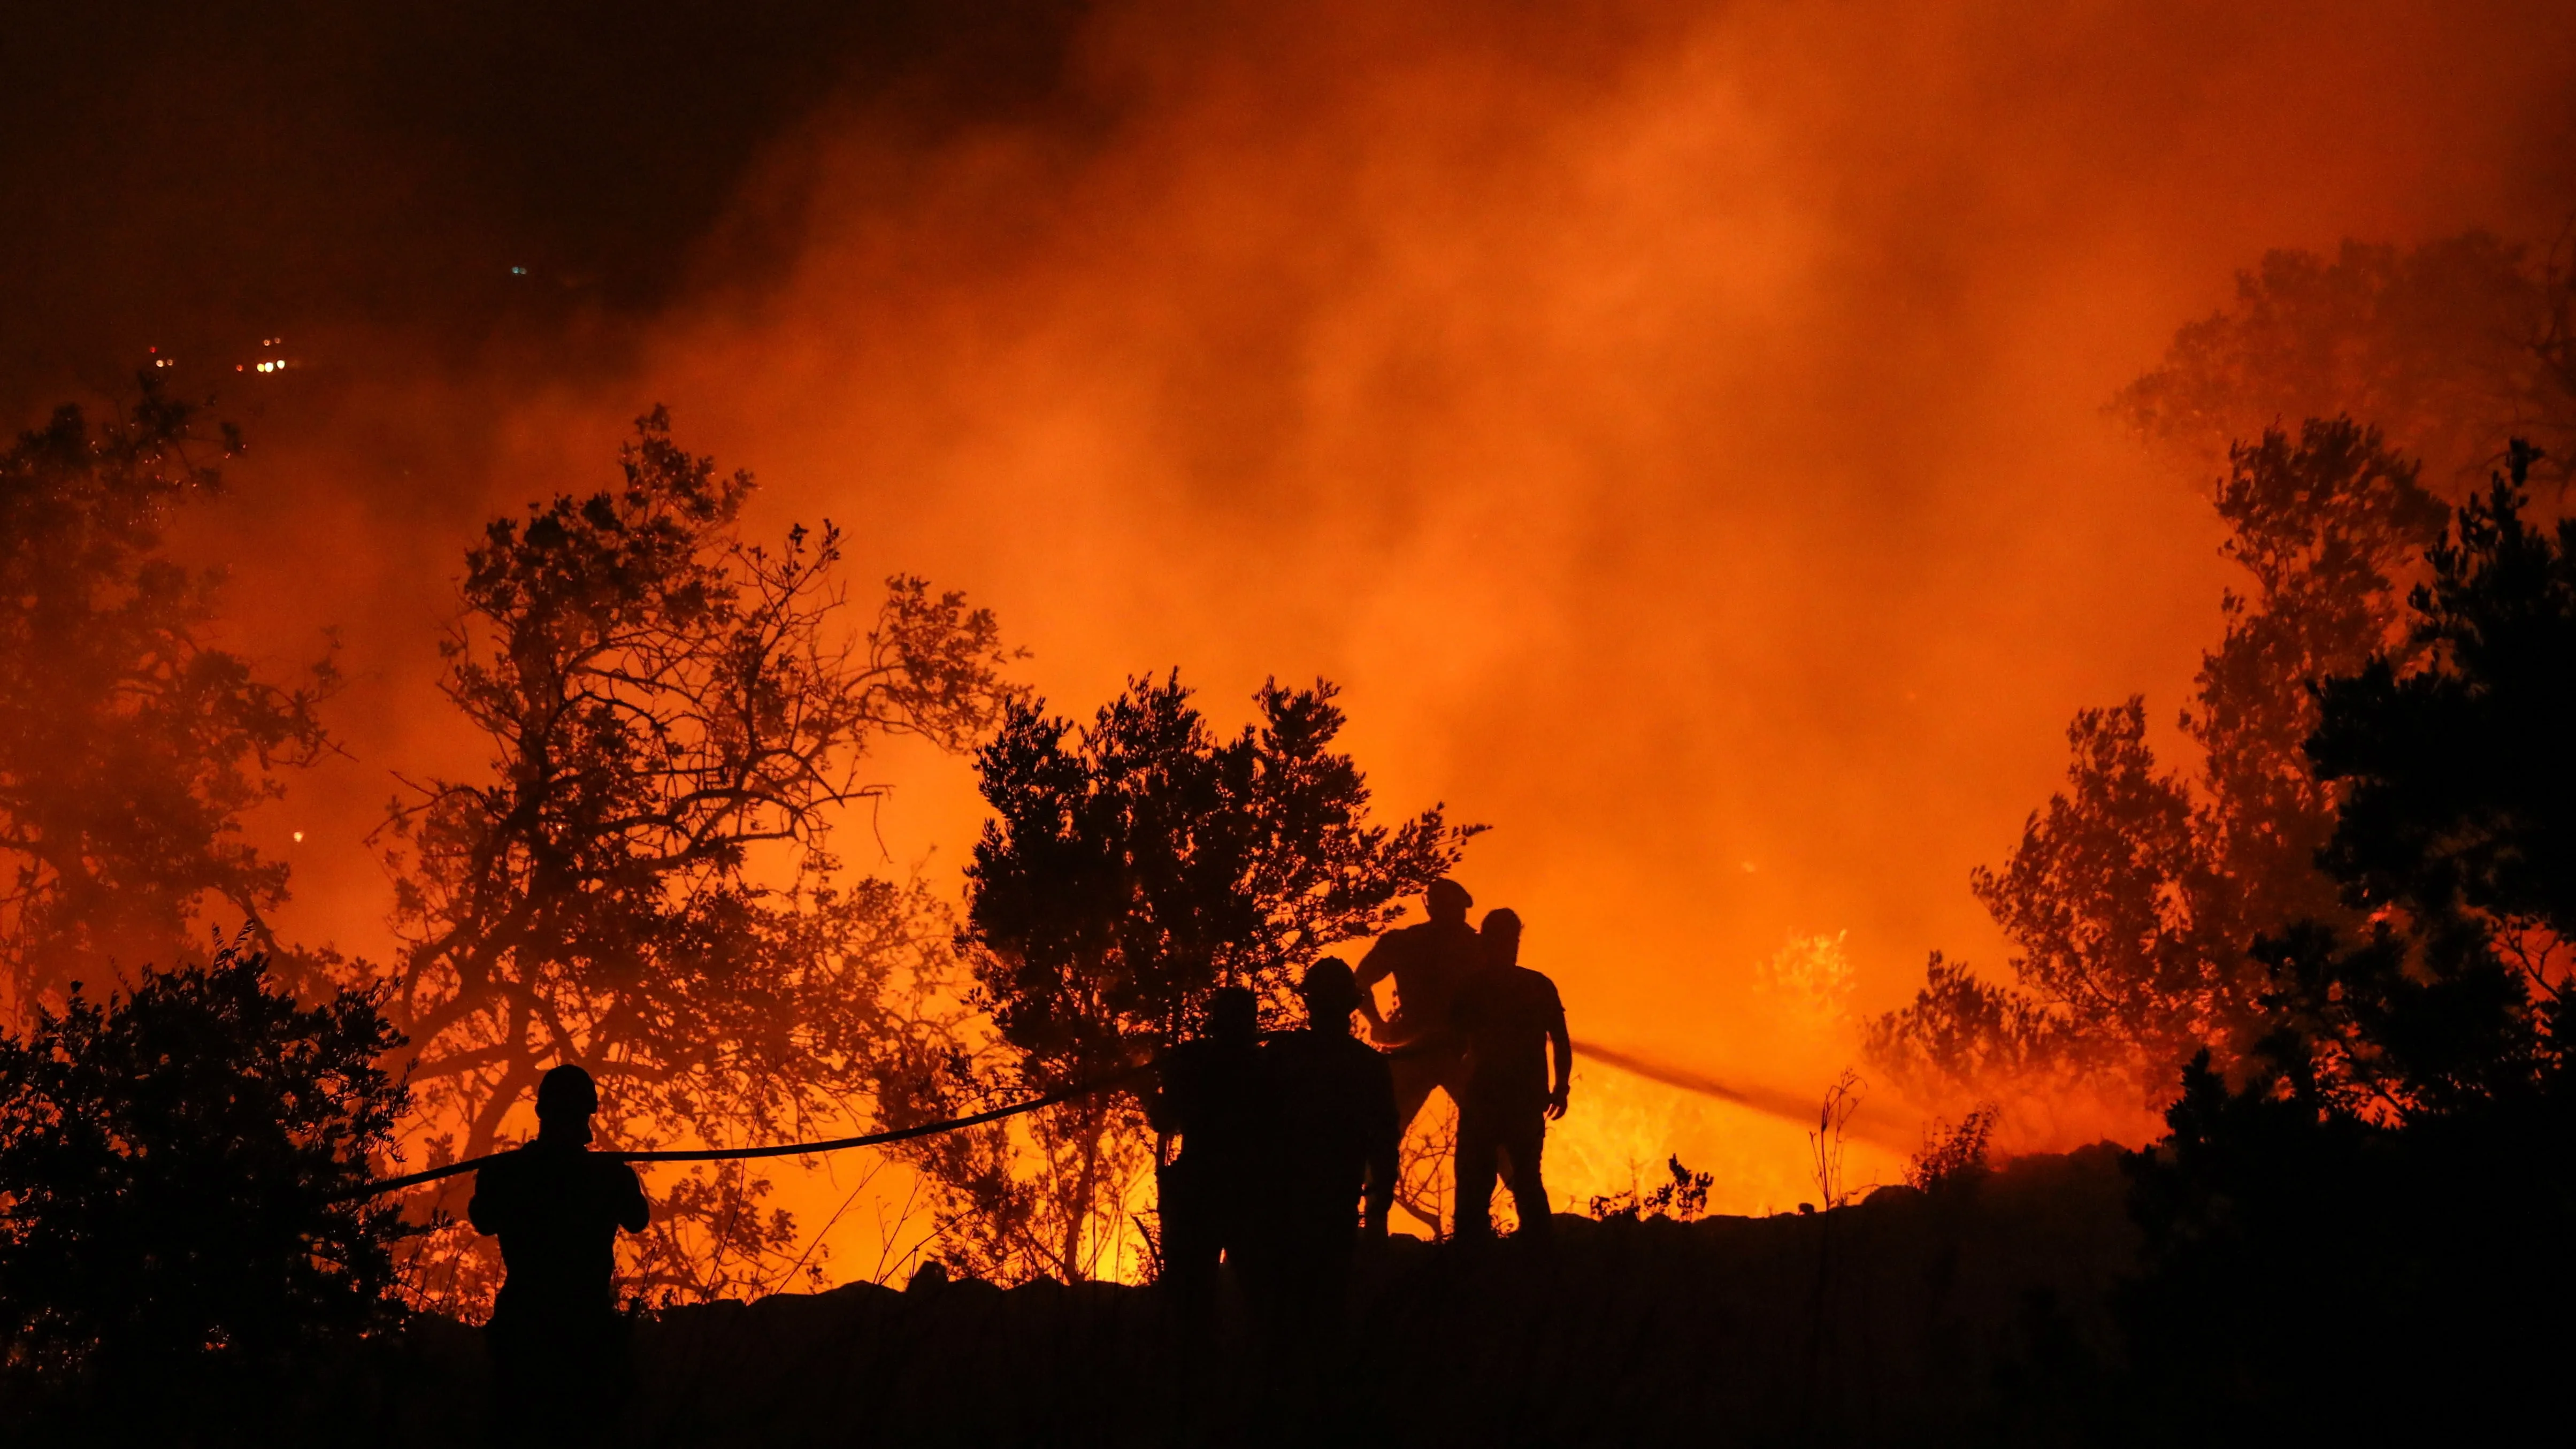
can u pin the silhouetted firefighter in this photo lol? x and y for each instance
(1330, 1179)
(558, 1348)
(1429, 962)
(1508, 1018)
(1208, 1095)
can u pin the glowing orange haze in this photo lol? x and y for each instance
(1680, 434)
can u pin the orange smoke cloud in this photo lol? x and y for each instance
(1677, 427)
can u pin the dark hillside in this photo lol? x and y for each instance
(1628, 1333)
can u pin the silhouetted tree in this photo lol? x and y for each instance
(2447, 347)
(642, 880)
(2134, 898)
(2462, 794)
(2396, 1169)
(1133, 866)
(129, 749)
(169, 1240)
(2457, 840)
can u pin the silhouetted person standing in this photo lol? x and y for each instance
(1333, 1166)
(1331, 1177)
(558, 1349)
(1512, 1024)
(1208, 1094)
(1429, 962)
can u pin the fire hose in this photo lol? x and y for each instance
(783, 1149)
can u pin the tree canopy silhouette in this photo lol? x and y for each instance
(2462, 796)
(2448, 347)
(169, 1161)
(129, 748)
(2395, 1160)
(1133, 866)
(2134, 898)
(642, 879)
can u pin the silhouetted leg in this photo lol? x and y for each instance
(1194, 1238)
(1522, 1153)
(1299, 1284)
(1453, 1074)
(511, 1406)
(557, 1380)
(1323, 1325)
(1416, 1073)
(1477, 1144)
(1204, 1226)
(606, 1382)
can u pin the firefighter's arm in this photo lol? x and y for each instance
(1561, 1045)
(634, 1210)
(488, 1210)
(1374, 967)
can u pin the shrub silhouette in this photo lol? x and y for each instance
(1683, 1199)
(1954, 1155)
(171, 1167)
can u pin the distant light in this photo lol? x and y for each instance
(299, 837)
(518, 271)
(237, 367)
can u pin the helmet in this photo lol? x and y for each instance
(567, 1091)
(1329, 988)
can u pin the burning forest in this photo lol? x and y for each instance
(1141, 724)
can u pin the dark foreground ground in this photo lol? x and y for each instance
(1906, 1319)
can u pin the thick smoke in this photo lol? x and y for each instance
(1679, 429)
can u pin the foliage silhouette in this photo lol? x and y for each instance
(2134, 898)
(129, 748)
(1825, 1144)
(2396, 1158)
(2448, 347)
(642, 881)
(1683, 1198)
(1954, 1156)
(2462, 795)
(1134, 866)
(172, 1165)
